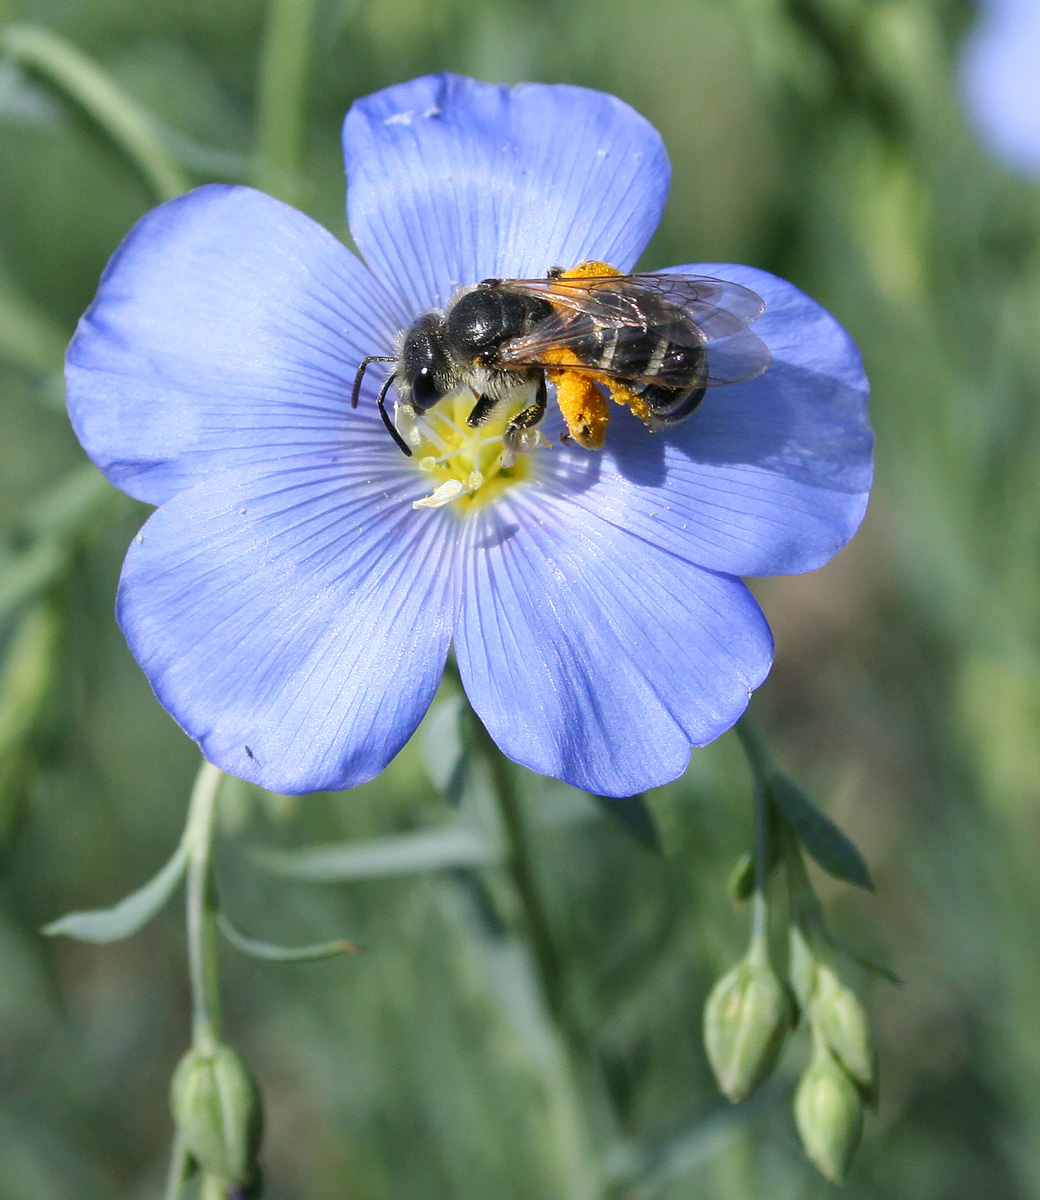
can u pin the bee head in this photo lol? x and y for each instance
(424, 373)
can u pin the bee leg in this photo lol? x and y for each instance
(481, 411)
(526, 419)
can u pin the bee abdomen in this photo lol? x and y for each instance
(666, 374)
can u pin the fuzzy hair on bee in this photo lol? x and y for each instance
(654, 342)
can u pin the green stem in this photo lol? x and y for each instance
(806, 911)
(180, 1170)
(755, 750)
(127, 123)
(765, 825)
(202, 925)
(580, 1162)
(281, 95)
(762, 853)
(521, 868)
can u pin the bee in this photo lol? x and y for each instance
(656, 342)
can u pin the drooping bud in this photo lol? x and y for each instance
(746, 1019)
(838, 1015)
(217, 1111)
(828, 1111)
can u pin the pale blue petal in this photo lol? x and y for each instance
(294, 621)
(1001, 83)
(450, 181)
(767, 477)
(593, 656)
(227, 328)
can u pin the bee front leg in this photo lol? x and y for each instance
(527, 418)
(481, 411)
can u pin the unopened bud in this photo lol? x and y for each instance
(746, 1019)
(217, 1111)
(829, 1114)
(838, 1015)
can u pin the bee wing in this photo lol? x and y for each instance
(717, 313)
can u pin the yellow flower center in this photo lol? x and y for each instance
(468, 468)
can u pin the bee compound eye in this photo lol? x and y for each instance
(424, 390)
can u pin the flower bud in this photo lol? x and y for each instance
(838, 1015)
(829, 1114)
(217, 1111)
(746, 1019)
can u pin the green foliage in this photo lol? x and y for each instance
(821, 139)
(131, 913)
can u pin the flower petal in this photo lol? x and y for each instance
(593, 656)
(295, 622)
(228, 328)
(765, 478)
(1000, 83)
(450, 181)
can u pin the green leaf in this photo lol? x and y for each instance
(834, 852)
(125, 121)
(742, 880)
(407, 853)
(633, 814)
(271, 952)
(862, 960)
(130, 914)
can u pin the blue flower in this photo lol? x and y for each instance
(291, 606)
(1001, 83)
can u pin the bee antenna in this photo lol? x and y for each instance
(391, 428)
(356, 392)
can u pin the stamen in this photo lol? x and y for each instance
(445, 493)
(406, 422)
(470, 464)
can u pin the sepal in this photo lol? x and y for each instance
(828, 1112)
(747, 1018)
(217, 1110)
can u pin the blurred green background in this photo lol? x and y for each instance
(821, 139)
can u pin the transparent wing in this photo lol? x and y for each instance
(702, 320)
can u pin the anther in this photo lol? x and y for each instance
(445, 493)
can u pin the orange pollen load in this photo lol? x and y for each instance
(581, 402)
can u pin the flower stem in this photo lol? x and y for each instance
(754, 748)
(281, 95)
(576, 1087)
(180, 1169)
(127, 123)
(521, 869)
(764, 832)
(201, 910)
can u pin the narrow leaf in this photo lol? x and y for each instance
(742, 880)
(270, 952)
(633, 814)
(405, 854)
(130, 914)
(834, 852)
(862, 960)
